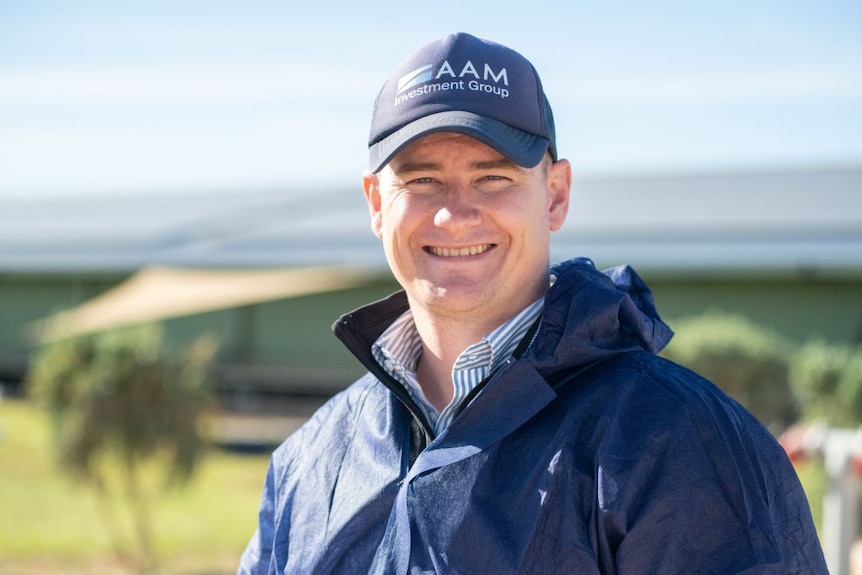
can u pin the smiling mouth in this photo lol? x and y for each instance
(461, 252)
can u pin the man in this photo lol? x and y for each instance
(515, 417)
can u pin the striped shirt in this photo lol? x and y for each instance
(398, 350)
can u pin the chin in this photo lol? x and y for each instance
(456, 301)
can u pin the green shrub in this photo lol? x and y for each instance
(828, 380)
(748, 362)
(123, 397)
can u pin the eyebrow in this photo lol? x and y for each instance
(501, 163)
(410, 167)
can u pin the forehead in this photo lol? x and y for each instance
(440, 144)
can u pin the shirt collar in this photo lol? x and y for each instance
(399, 348)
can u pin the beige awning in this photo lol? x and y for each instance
(158, 293)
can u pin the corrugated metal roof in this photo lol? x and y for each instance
(791, 221)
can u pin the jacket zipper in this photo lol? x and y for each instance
(393, 385)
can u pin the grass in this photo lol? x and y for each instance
(50, 523)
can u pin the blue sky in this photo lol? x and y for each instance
(109, 97)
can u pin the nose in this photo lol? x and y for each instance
(459, 209)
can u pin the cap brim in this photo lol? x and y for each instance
(522, 147)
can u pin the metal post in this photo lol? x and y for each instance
(840, 525)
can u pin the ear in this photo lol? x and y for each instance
(559, 185)
(371, 186)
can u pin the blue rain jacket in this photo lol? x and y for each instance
(587, 454)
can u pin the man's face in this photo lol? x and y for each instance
(465, 230)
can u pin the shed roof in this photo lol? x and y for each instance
(767, 222)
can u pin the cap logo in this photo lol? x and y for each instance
(408, 85)
(417, 76)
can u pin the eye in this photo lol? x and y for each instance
(494, 182)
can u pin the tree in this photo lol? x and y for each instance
(124, 408)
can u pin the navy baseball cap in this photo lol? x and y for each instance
(464, 84)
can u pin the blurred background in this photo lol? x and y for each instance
(197, 164)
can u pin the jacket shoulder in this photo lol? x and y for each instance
(667, 443)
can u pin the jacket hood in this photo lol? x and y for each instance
(591, 315)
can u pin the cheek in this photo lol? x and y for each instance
(400, 215)
(532, 225)
(377, 225)
(524, 218)
(393, 224)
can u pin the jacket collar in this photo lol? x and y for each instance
(588, 316)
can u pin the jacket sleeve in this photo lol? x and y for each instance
(258, 558)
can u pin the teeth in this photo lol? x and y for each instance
(471, 251)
